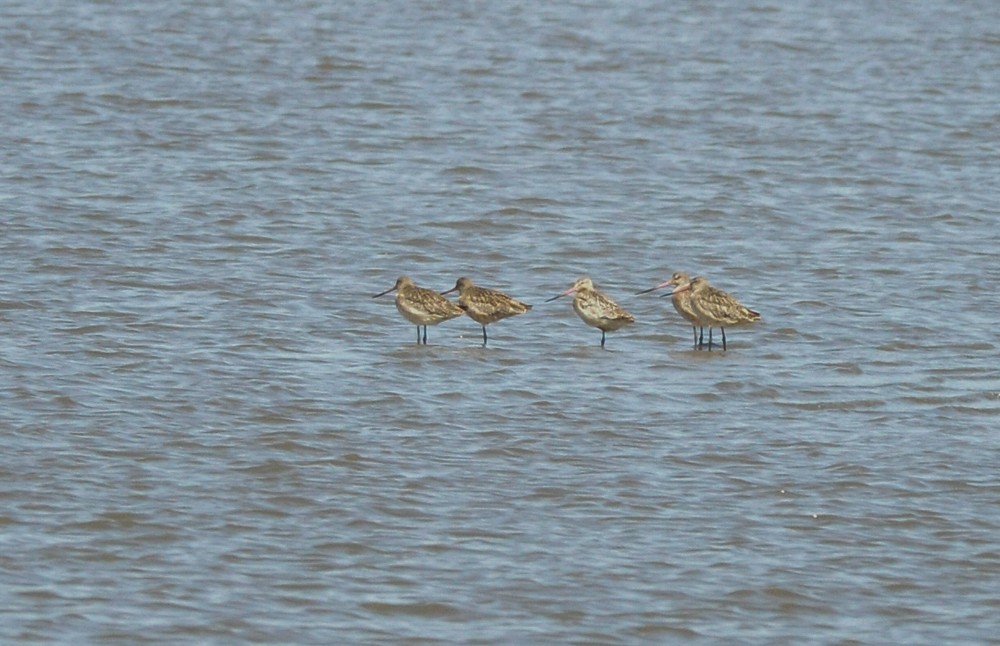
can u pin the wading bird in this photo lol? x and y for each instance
(682, 303)
(715, 308)
(596, 309)
(485, 306)
(421, 306)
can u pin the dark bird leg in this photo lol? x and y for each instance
(418, 335)
(694, 328)
(425, 335)
(602, 338)
(723, 338)
(709, 339)
(484, 336)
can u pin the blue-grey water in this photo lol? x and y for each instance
(213, 434)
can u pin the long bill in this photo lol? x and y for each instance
(677, 290)
(653, 289)
(567, 292)
(391, 289)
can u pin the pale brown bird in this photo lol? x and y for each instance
(485, 306)
(421, 306)
(682, 303)
(595, 308)
(715, 308)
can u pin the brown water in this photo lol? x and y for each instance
(213, 434)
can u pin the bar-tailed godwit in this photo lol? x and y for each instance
(682, 303)
(715, 308)
(485, 306)
(421, 306)
(595, 308)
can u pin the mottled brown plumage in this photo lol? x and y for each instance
(485, 306)
(421, 306)
(681, 300)
(715, 308)
(595, 308)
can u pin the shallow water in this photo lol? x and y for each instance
(215, 434)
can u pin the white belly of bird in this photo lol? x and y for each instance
(597, 316)
(416, 315)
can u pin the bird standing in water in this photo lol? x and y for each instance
(595, 308)
(421, 306)
(716, 308)
(682, 303)
(485, 306)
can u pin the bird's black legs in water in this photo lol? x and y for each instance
(425, 334)
(602, 338)
(699, 340)
(710, 339)
(418, 335)
(484, 336)
(699, 336)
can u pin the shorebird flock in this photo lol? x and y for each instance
(698, 302)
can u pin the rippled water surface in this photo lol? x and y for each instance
(213, 434)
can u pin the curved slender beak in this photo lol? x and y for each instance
(448, 291)
(665, 283)
(391, 289)
(676, 290)
(568, 291)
